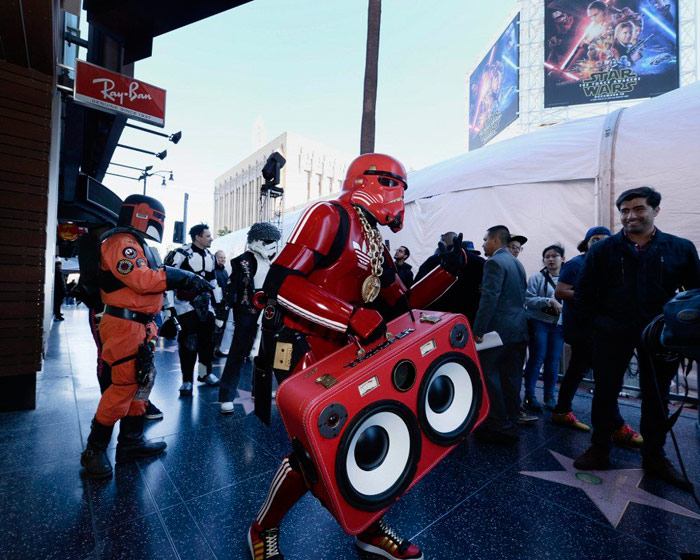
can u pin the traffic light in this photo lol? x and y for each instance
(179, 232)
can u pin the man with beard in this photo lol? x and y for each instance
(625, 282)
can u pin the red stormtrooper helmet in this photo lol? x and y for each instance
(375, 182)
(144, 214)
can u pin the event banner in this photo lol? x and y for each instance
(607, 51)
(493, 88)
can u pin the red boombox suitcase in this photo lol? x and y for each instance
(367, 424)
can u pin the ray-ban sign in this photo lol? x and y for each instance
(116, 93)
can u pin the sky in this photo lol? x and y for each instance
(299, 66)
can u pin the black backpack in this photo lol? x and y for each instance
(169, 259)
(89, 262)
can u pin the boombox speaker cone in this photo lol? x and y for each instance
(378, 455)
(449, 398)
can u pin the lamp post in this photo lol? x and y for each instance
(145, 174)
(184, 213)
(148, 173)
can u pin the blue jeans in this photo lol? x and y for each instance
(546, 347)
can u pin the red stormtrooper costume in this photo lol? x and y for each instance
(322, 288)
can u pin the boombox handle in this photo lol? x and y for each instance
(354, 339)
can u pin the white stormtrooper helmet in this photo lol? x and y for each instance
(263, 239)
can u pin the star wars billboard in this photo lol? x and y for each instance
(493, 88)
(599, 51)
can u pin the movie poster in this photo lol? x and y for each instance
(609, 50)
(493, 88)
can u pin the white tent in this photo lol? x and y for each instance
(233, 244)
(553, 184)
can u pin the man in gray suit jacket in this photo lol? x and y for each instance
(501, 309)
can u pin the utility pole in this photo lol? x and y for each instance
(184, 215)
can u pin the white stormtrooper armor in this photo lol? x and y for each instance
(201, 262)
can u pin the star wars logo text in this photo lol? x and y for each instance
(382, 346)
(491, 126)
(613, 84)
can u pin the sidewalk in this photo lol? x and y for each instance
(198, 498)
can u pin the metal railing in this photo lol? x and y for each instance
(631, 381)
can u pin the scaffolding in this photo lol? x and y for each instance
(271, 205)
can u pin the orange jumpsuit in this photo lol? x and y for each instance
(123, 256)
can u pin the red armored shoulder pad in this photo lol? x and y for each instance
(316, 228)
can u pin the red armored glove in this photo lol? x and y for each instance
(366, 323)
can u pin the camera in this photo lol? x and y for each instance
(676, 332)
(549, 310)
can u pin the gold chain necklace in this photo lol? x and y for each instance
(372, 284)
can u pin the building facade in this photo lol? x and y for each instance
(312, 171)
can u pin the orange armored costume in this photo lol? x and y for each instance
(132, 281)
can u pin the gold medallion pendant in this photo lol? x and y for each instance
(370, 288)
(372, 285)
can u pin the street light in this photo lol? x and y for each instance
(145, 174)
(148, 173)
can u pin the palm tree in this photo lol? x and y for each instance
(369, 104)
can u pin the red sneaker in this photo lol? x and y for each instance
(264, 543)
(382, 540)
(568, 420)
(627, 437)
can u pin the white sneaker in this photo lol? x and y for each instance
(186, 389)
(210, 380)
(226, 408)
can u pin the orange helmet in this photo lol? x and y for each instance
(375, 182)
(144, 214)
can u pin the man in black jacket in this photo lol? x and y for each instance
(402, 267)
(464, 295)
(625, 281)
(59, 291)
(221, 308)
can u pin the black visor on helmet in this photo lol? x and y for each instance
(385, 178)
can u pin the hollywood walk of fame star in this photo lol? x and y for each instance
(245, 400)
(611, 490)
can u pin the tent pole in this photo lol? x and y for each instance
(605, 183)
